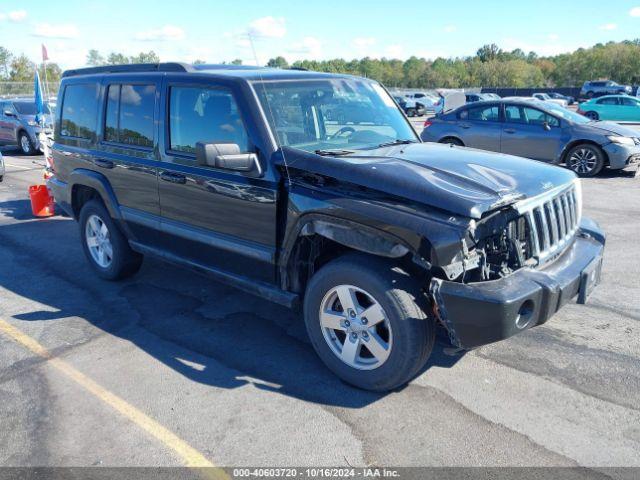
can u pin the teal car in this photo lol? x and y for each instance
(612, 107)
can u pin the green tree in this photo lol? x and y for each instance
(5, 62)
(278, 62)
(199, 62)
(94, 58)
(489, 52)
(148, 57)
(22, 69)
(117, 59)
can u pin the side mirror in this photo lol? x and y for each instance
(227, 156)
(546, 126)
(9, 113)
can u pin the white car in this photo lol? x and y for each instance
(546, 98)
(1, 167)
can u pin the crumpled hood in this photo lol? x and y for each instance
(460, 180)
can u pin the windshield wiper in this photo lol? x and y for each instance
(396, 142)
(334, 153)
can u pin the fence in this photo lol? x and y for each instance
(25, 89)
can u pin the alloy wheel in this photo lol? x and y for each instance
(25, 144)
(98, 241)
(583, 160)
(355, 327)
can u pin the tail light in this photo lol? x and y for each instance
(427, 123)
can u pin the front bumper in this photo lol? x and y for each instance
(623, 156)
(480, 313)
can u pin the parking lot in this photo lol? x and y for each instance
(170, 368)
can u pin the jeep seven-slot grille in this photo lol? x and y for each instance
(552, 221)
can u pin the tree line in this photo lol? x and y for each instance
(489, 67)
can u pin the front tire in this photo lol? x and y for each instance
(586, 160)
(104, 245)
(365, 321)
(25, 144)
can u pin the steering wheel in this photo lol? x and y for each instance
(342, 131)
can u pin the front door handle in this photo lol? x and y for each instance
(509, 130)
(173, 177)
(102, 163)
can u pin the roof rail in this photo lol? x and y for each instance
(130, 68)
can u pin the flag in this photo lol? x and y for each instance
(39, 99)
(45, 54)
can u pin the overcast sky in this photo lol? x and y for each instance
(215, 31)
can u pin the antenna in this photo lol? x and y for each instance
(266, 98)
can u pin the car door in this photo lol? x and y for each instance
(215, 217)
(126, 154)
(531, 133)
(480, 126)
(629, 109)
(4, 125)
(9, 123)
(608, 108)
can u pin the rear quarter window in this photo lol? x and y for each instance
(79, 111)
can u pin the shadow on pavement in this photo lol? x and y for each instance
(206, 331)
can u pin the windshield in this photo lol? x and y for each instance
(562, 112)
(28, 108)
(332, 114)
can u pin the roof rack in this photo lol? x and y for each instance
(130, 68)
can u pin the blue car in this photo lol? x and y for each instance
(540, 131)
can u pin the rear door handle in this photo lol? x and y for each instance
(102, 163)
(509, 130)
(173, 177)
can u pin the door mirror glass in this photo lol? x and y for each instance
(227, 156)
(546, 126)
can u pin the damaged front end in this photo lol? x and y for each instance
(517, 266)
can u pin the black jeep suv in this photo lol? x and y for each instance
(238, 173)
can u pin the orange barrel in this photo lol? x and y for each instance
(41, 201)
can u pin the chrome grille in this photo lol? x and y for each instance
(552, 219)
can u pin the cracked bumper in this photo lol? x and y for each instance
(623, 156)
(485, 312)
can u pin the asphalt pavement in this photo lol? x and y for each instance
(170, 368)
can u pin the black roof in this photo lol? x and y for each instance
(246, 72)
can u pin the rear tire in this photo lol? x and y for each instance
(104, 245)
(586, 160)
(401, 335)
(592, 115)
(451, 141)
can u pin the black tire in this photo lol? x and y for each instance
(451, 141)
(583, 151)
(124, 262)
(413, 331)
(591, 115)
(411, 112)
(25, 144)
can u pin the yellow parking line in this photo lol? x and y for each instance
(190, 456)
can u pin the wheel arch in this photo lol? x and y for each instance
(87, 184)
(575, 143)
(451, 137)
(318, 239)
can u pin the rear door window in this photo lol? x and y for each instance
(79, 111)
(608, 101)
(129, 117)
(489, 113)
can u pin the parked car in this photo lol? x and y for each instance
(432, 102)
(18, 124)
(558, 96)
(375, 235)
(540, 131)
(603, 87)
(1, 167)
(612, 107)
(491, 96)
(475, 97)
(410, 106)
(543, 97)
